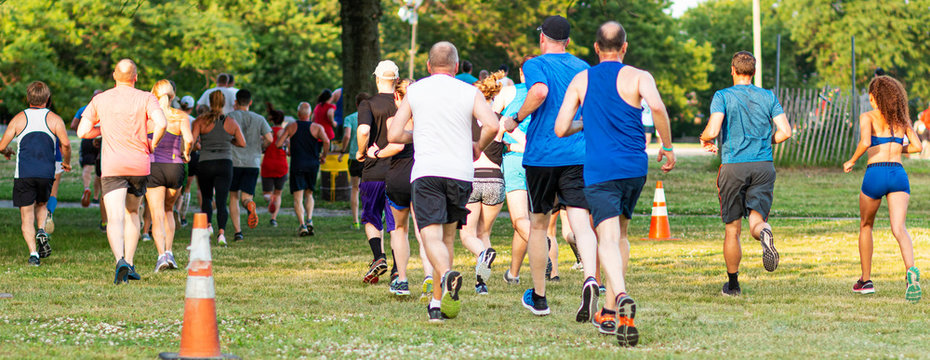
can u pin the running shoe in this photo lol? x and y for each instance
(436, 316)
(482, 269)
(273, 222)
(146, 237)
(627, 335)
(310, 227)
(548, 267)
(34, 260)
(913, 292)
(50, 223)
(95, 201)
(554, 279)
(221, 239)
(394, 274)
(427, 291)
(537, 307)
(183, 222)
(103, 227)
(400, 288)
(357, 226)
(450, 303)
(481, 289)
(122, 272)
(302, 231)
(578, 266)
(602, 289)
(162, 263)
(376, 268)
(133, 275)
(238, 236)
(605, 323)
(589, 293)
(253, 216)
(272, 207)
(730, 292)
(85, 198)
(42, 243)
(864, 287)
(171, 263)
(511, 279)
(769, 254)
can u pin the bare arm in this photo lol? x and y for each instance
(188, 138)
(319, 133)
(782, 129)
(286, 134)
(865, 141)
(75, 122)
(86, 129)
(160, 123)
(534, 99)
(397, 132)
(565, 124)
(331, 115)
(914, 145)
(711, 131)
(64, 144)
(649, 92)
(346, 134)
(232, 127)
(361, 135)
(15, 125)
(267, 139)
(489, 123)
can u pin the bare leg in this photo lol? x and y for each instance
(277, 204)
(400, 246)
(585, 239)
(438, 251)
(299, 205)
(87, 176)
(155, 198)
(538, 250)
(868, 207)
(614, 252)
(488, 215)
(131, 227)
(310, 204)
(732, 252)
(171, 198)
(353, 197)
(234, 210)
(469, 232)
(27, 215)
(115, 200)
(518, 206)
(897, 211)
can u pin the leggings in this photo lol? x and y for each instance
(215, 176)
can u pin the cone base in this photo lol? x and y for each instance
(176, 356)
(660, 239)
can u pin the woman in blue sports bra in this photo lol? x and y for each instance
(885, 177)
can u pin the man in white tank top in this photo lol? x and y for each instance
(36, 130)
(444, 109)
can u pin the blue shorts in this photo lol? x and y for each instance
(514, 173)
(884, 178)
(613, 198)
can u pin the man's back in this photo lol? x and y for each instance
(375, 112)
(254, 127)
(543, 147)
(746, 133)
(123, 113)
(442, 109)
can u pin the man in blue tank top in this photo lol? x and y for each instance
(615, 161)
(40, 134)
(742, 115)
(554, 166)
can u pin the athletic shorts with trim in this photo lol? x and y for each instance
(514, 173)
(270, 184)
(883, 178)
(545, 185)
(89, 153)
(397, 183)
(375, 206)
(355, 167)
(168, 175)
(613, 198)
(134, 185)
(742, 187)
(304, 179)
(438, 200)
(488, 187)
(30, 191)
(244, 179)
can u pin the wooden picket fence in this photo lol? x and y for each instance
(823, 131)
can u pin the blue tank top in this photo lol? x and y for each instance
(616, 144)
(37, 146)
(305, 149)
(511, 110)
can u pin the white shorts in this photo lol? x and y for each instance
(58, 168)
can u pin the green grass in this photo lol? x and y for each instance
(280, 296)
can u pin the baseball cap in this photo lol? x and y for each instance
(555, 27)
(387, 70)
(187, 101)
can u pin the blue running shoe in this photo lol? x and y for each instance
(538, 307)
(133, 275)
(122, 272)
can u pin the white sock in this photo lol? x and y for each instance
(36, 254)
(169, 253)
(433, 303)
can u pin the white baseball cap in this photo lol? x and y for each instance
(188, 102)
(386, 70)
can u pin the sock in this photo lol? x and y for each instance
(537, 297)
(606, 311)
(734, 281)
(376, 251)
(433, 303)
(575, 251)
(34, 254)
(52, 204)
(169, 252)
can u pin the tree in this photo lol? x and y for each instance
(360, 47)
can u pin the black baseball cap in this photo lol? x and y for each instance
(555, 27)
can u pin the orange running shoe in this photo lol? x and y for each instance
(253, 216)
(85, 198)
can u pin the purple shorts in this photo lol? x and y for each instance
(375, 205)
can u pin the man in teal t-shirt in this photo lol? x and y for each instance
(350, 146)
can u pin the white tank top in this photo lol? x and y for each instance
(442, 109)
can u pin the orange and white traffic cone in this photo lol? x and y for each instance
(659, 228)
(199, 335)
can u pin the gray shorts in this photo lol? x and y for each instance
(488, 191)
(742, 187)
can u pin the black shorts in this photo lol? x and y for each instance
(135, 185)
(193, 165)
(355, 167)
(99, 169)
(168, 175)
(30, 191)
(270, 184)
(244, 179)
(545, 185)
(397, 183)
(89, 153)
(440, 200)
(614, 198)
(742, 187)
(304, 179)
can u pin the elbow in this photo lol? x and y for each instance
(539, 92)
(561, 131)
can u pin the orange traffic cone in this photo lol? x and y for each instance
(199, 335)
(659, 228)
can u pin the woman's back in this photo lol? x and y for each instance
(886, 141)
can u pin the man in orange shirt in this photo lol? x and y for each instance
(124, 114)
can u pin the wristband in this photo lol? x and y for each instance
(667, 149)
(376, 153)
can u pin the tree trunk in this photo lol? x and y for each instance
(360, 48)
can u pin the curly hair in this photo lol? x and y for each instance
(400, 87)
(490, 86)
(891, 98)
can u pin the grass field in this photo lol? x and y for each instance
(280, 296)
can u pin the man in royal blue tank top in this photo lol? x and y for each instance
(742, 115)
(554, 166)
(615, 161)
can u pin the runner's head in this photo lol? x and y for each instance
(303, 111)
(888, 96)
(490, 86)
(164, 92)
(443, 59)
(324, 96)
(210, 115)
(385, 75)
(504, 68)
(466, 67)
(125, 72)
(230, 80)
(554, 34)
(525, 59)
(244, 98)
(400, 90)
(610, 40)
(275, 116)
(187, 104)
(362, 96)
(743, 65)
(222, 79)
(37, 94)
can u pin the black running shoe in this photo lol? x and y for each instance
(303, 231)
(122, 272)
(588, 306)
(310, 227)
(376, 268)
(238, 236)
(627, 335)
(42, 243)
(436, 316)
(34, 260)
(769, 254)
(730, 292)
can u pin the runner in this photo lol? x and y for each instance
(190, 168)
(167, 175)
(324, 113)
(37, 131)
(885, 177)
(443, 110)
(53, 198)
(224, 83)
(308, 146)
(649, 126)
(466, 75)
(350, 146)
(247, 160)
(554, 165)
(274, 166)
(743, 115)
(372, 130)
(615, 162)
(124, 114)
(216, 134)
(87, 160)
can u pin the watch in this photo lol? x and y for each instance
(376, 153)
